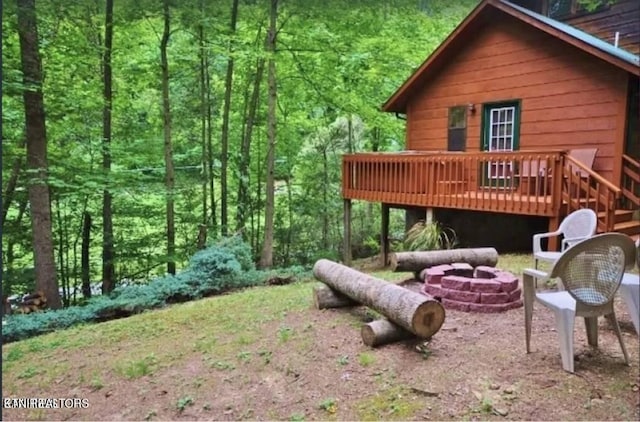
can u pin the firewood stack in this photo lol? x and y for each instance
(33, 302)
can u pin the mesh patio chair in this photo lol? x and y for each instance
(591, 272)
(630, 292)
(577, 226)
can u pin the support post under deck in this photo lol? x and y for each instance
(384, 235)
(554, 223)
(346, 247)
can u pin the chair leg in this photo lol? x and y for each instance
(529, 296)
(591, 323)
(631, 296)
(565, 319)
(619, 334)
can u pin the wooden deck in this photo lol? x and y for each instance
(517, 183)
(537, 183)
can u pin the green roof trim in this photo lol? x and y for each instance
(574, 32)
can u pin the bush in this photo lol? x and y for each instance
(429, 236)
(220, 267)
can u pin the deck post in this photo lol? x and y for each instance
(429, 216)
(554, 223)
(346, 223)
(384, 235)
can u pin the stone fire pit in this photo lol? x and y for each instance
(463, 288)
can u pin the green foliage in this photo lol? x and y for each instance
(183, 402)
(212, 270)
(429, 236)
(329, 405)
(337, 61)
(591, 5)
(366, 358)
(284, 334)
(395, 403)
(137, 368)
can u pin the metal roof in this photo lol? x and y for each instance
(580, 35)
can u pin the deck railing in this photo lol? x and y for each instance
(630, 182)
(519, 182)
(584, 188)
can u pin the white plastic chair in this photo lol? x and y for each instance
(575, 227)
(591, 272)
(630, 292)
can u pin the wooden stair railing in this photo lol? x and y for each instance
(584, 188)
(630, 182)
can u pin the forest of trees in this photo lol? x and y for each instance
(136, 131)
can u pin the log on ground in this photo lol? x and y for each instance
(382, 331)
(419, 260)
(420, 314)
(324, 297)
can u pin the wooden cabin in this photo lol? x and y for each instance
(526, 112)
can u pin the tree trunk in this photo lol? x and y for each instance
(382, 331)
(168, 146)
(39, 200)
(324, 297)
(245, 149)
(420, 314)
(266, 257)
(202, 55)
(224, 142)
(108, 253)
(417, 261)
(62, 262)
(209, 116)
(325, 200)
(85, 270)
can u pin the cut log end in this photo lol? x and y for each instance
(325, 297)
(379, 332)
(428, 319)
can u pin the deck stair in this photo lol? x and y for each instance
(625, 221)
(617, 207)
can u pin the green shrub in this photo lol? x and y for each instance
(429, 236)
(223, 266)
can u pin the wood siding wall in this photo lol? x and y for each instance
(569, 99)
(623, 16)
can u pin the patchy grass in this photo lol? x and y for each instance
(265, 353)
(137, 368)
(395, 403)
(366, 359)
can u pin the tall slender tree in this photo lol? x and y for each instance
(266, 257)
(108, 254)
(243, 200)
(224, 144)
(203, 59)
(168, 146)
(84, 260)
(39, 200)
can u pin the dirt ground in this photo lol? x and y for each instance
(474, 368)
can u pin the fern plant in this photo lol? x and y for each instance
(424, 236)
